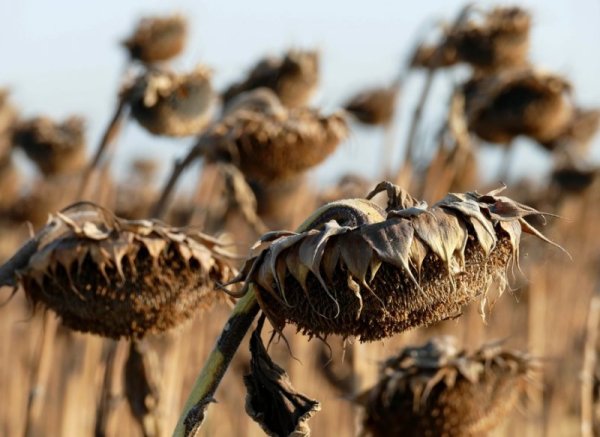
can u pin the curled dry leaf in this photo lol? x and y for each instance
(271, 400)
(115, 277)
(355, 270)
(53, 147)
(157, 39)
(437, 389)
(269, 142)
(293, 77)
(517, 102)
(166, 103)
(374, 106)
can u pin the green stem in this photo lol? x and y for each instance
(216, 365)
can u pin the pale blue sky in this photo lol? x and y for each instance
(62, 56)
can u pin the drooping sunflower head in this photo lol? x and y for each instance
(170, 104)
(439, 389)
(353, 269)
(116, 277)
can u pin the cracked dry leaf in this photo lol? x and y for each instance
(157, 39)
(437, 389)
(271, 400)
(116, 277)
(170, 104)
(269, 142)
(356, 270)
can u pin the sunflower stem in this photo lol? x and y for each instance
(160, 208)
(216, 365)
(108, 138)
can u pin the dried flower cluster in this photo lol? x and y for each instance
(436, 389)
(115, 277)
(355, 270)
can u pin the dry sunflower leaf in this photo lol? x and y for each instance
(356, 270)
(271, 400)
(116, 277)
(437, 389)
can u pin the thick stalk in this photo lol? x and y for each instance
(216, 365)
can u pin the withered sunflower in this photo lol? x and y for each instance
(375, 106)
(517, 102)
(54, 147)
(157, 39)
(170, 104)
(355, 270)
(269, 142)
(500, 41)
(437, 389)
(293, 77)
(115, 277)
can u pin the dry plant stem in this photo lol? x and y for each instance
(108, 138)
(417, 114)
(40, 373)
(587, 374)
(109, 394)
(160, 208)
(216, 365)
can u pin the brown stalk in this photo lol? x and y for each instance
(436, 62)
(111, 132)
(587, 373)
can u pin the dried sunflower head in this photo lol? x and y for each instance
(116, 277)
(437, 389)
(157, 39)
(355, 270)
(374, 106)
(518, 102)
(501, 40)
(269, 142)
(54, 147)
(166, 103)
(575, 179)
(293, 77)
